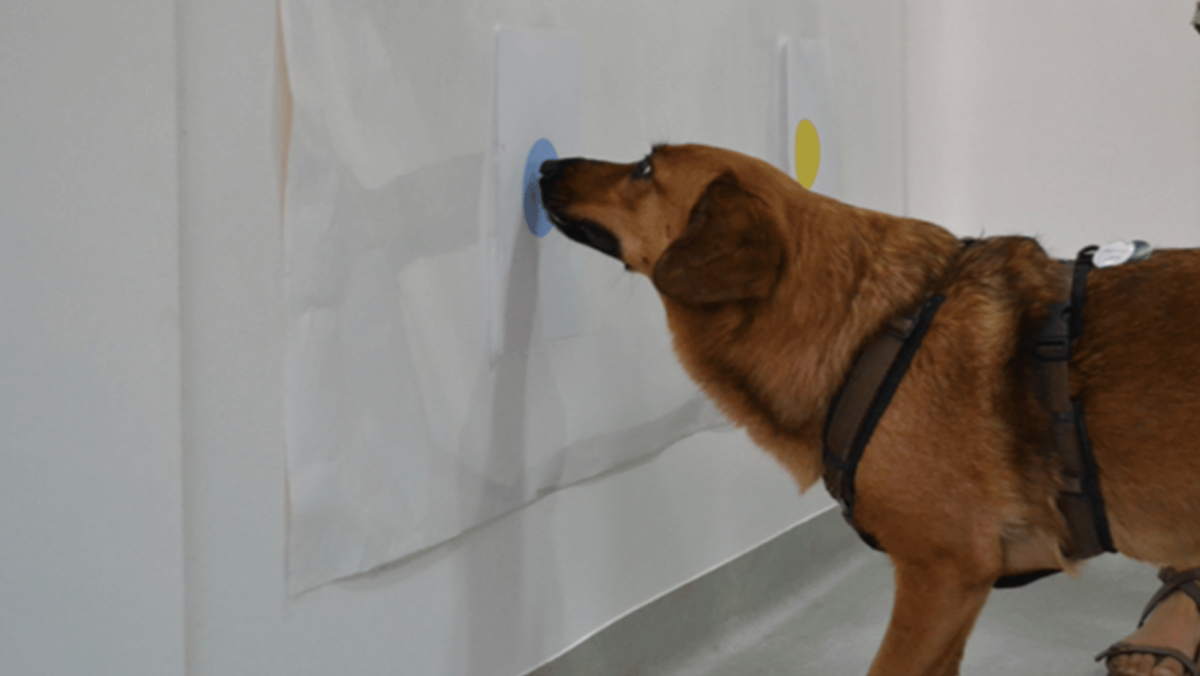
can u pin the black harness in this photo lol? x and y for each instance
(880, 367)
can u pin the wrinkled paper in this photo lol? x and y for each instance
(443, 366)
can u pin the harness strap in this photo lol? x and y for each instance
(1080, 500)
(877, 372)
(864, 397)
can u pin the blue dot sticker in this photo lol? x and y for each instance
(535, 214)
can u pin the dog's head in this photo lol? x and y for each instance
(704, 224)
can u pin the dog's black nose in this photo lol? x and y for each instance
(554, 169)
(550, 167)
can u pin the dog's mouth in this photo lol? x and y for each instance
(583, 230)
(589, 233)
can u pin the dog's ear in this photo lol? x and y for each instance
(731, 250)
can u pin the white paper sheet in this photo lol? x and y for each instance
(539, 94)
(407, 421)
(809, 95)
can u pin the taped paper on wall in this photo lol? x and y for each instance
(810, 120)
(444, 366)
(539, 94)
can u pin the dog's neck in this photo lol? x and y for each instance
(774, 365)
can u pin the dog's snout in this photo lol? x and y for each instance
(551, 168)
(554, 169)
(552, 172)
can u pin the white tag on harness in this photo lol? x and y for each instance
(1120, 252)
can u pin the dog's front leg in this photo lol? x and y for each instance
(935, 609)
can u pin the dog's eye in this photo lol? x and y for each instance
(643, 169)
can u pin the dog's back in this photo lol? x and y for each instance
(1137, 372)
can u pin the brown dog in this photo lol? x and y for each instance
(771, 291)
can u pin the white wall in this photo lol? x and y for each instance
(504, 598)
(1074, 120)
(140, 305)
(91, 552)
(120, 219)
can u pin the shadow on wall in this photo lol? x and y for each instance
(501, 614)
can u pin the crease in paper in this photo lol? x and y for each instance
(443, 366)
(367, 103)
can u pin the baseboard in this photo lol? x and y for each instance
(709, 613)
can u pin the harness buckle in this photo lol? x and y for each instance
(901, 327)
(1054, 348)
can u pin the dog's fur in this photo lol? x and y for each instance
(771, 290)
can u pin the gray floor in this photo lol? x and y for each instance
(815, 602)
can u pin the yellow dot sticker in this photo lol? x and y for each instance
(808, 153)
